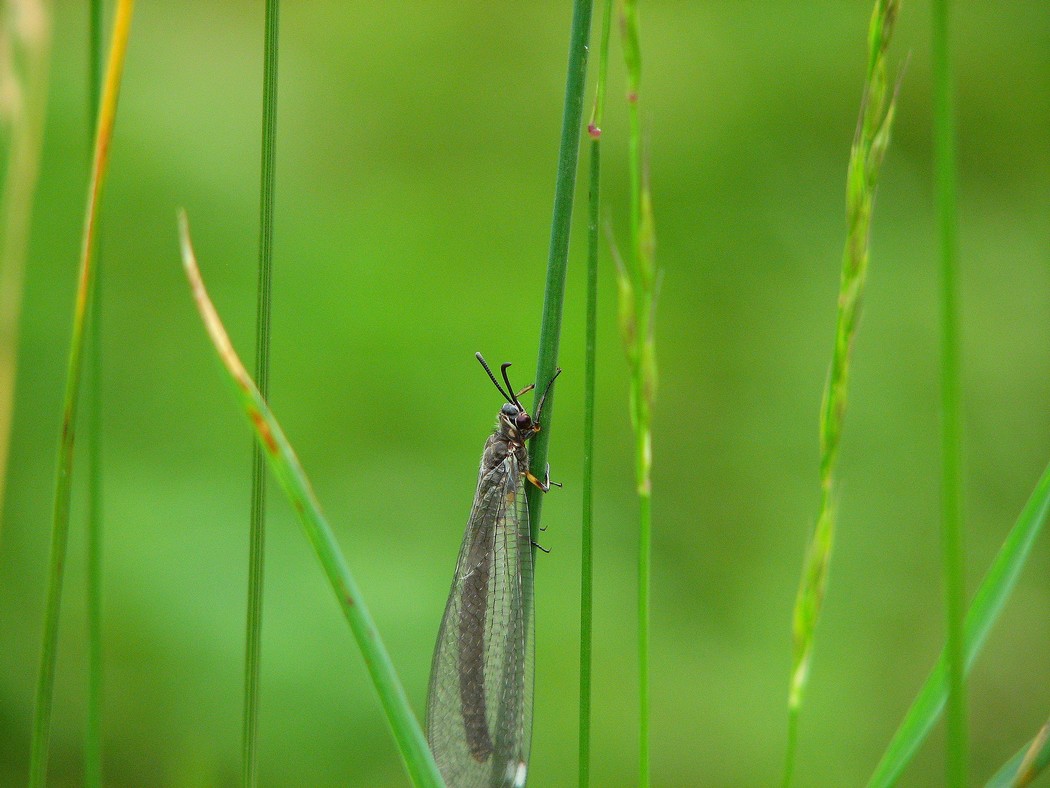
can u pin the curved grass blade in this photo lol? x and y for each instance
(991, 596)
(290, 475)
(1027, 764)
(64, 466)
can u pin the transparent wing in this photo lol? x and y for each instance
(479, 704)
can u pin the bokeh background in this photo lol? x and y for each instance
(415, 179)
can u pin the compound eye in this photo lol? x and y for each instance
(523, 421)
(510, 411)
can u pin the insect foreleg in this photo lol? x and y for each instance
(544, 485)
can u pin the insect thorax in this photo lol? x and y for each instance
(499, 446)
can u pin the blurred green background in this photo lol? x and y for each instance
(415, 177)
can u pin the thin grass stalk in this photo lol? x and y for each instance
(293, 481)
(558, 252)
(93, 726)
(951, 452)
(992, 595)
(257, 533)
(870, 141)
(26, 31)
(63, 473)
(587, 518)
(637, 297)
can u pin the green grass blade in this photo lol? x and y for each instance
(951, 452)
(558, 256)
(64, 466)
(1027, 764)
(869, 147)
(290, 475)
(257, 531)
(587, 518)
(558, 252)
(93, 726)
(991, 596)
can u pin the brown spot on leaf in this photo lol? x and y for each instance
(263, 429)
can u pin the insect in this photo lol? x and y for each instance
(479, 703)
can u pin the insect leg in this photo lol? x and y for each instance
(546, 484)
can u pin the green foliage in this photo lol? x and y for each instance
(415, 172)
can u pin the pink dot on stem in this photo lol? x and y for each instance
(594, 131)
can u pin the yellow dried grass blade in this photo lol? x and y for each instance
(63, 473)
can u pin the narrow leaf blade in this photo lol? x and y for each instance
(292, 479)
(991, 596)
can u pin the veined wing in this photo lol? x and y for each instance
(479, 704)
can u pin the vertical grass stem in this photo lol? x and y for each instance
(257, 530)
(558, 252)
(951, 480)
